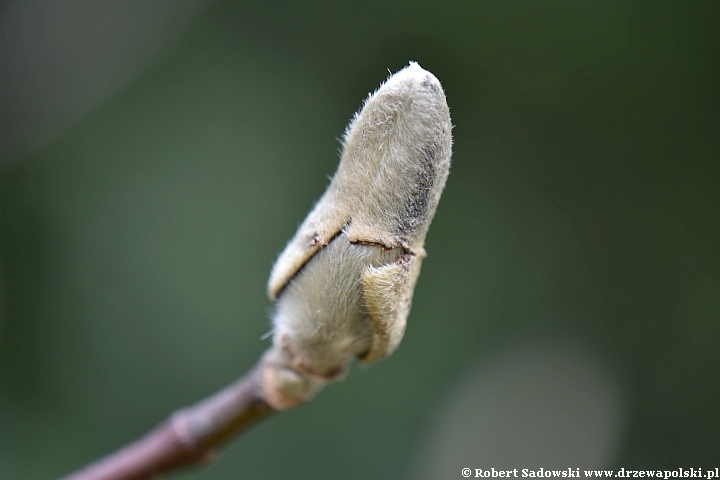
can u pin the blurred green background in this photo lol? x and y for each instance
(155, 158)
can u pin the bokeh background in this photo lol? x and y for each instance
(156, 156)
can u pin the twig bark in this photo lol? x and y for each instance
(190, 435)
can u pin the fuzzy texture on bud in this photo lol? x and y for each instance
(344, 283)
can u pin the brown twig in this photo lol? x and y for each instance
(189, 436)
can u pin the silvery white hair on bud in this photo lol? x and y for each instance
(344, 283)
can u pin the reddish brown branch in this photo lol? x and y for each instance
(189, 436)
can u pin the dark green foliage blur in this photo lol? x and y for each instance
(583, 203)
